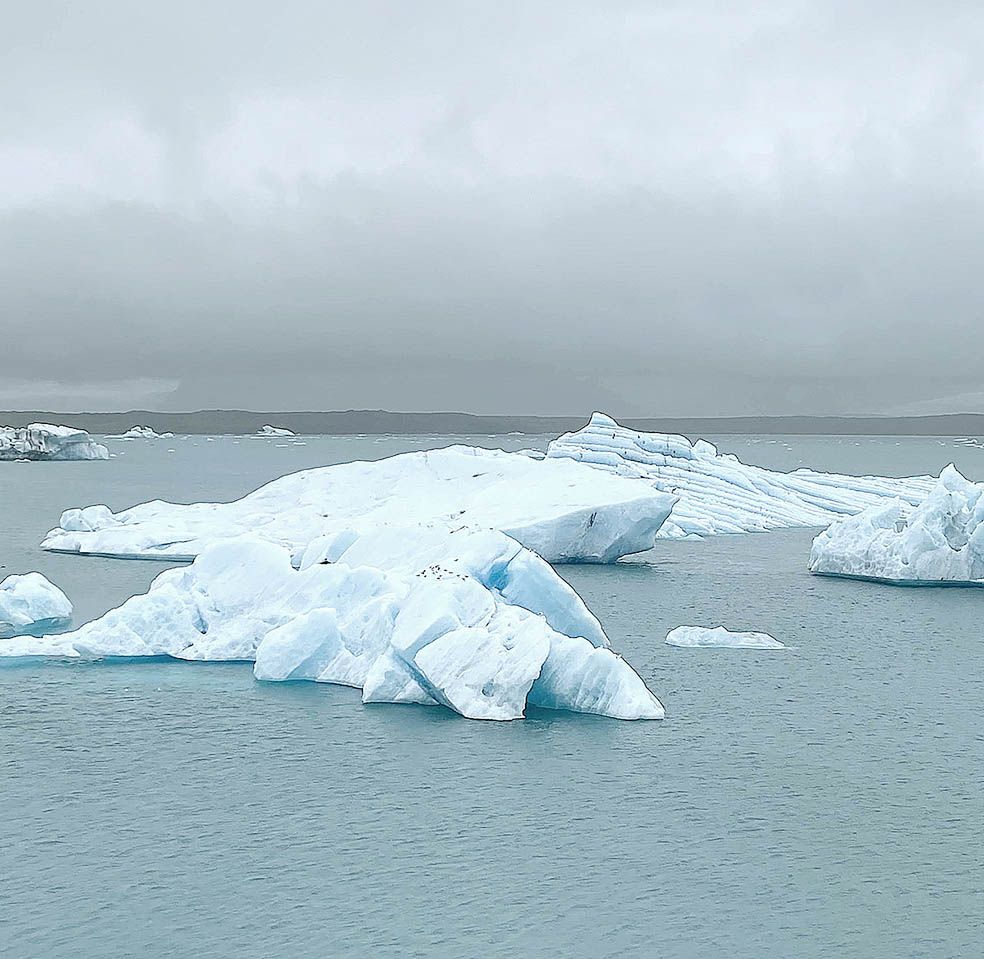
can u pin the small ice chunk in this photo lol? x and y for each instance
(30, 603)
(142, 433)
(718, 636)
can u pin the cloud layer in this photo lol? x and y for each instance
(676, 208)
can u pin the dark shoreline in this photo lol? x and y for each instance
(349, 422)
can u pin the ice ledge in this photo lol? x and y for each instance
(565, 511)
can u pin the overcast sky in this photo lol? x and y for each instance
(651, 208)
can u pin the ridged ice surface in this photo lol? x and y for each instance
(466, 619)
(939, 541)
(43, 441)
(718, 493)
(564, 511)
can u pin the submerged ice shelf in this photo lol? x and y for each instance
(718, 493)
(565, 511)
(465, 618)
(939, 541)
(29, 602)
(43, 441)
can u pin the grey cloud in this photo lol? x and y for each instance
(653, 208)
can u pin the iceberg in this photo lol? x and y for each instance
(718, 493)
(719, 637)
(29, 602)
(142, 433)
(42, 441)
(466, 618)
(939, 541)
(274, 431)
(565, 511)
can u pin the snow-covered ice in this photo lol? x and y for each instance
(42, 441)
(939, 541)
(29, 602)
(719, 637)
(464, 618)
(142, 433)
(274, 431)
(718, 493)
(565, 511)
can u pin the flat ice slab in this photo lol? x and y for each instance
(31, 602)
(719, 637)
(565, 511)
(43, 441)
(464, 618)
(718, 493)
(941, 541)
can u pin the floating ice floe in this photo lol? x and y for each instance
(565, 511)
(465, 618)
(719, 637)
(718, 493)
(29, 602)
(142, 433)
(42, 441)
(939, 541)
(274, 431)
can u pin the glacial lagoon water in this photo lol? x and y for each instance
(823, 800)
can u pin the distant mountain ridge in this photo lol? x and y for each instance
(349, 422)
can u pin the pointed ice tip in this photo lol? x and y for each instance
(601, 419)
(952, 478)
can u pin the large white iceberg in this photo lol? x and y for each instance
(29, 602)
(939, 541)
(718, 493)
(42, 441)
(143, 433)
(705, 637)
(464, 618)
(269, 430)
(563, 510)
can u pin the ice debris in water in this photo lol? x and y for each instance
(467, 619)
(718, 636)
(565, 511)
(42, 441)
(718, 493)
(29, 602)
(269, 430)
(939, 541)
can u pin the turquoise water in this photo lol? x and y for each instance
(824, 800)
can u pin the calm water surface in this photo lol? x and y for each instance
(824, 800)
